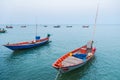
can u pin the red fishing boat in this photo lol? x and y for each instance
(74, 59)
(78, 57)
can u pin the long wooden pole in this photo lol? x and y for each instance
(94, 29)
(36, 29)
(36, 25)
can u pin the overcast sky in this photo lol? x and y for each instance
(59, 11)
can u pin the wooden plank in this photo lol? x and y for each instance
(70, 61)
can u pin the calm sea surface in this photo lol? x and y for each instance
(36, 63)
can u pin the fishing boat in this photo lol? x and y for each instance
(45, 25)
(2, 30)
(28, 44)
(57, 26)
(74, 59)
(78, 57)
(85, 26)
(9, 27)
(68, 26)
(23, 26)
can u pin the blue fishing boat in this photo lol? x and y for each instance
(28, 44)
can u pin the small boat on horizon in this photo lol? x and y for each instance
(57, 26)
(45, 26)
(2, 30)
(28, 44)
(23, 26)
(9, 27)
(74, 59)
(85, 26)
(68, 26)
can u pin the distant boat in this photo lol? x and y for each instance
(68, 26)
(2, 30)
(58, 26)
(45, 26)
(9, 27)
(28, 44)
(85, 26)
(23, 26)
(74, 59)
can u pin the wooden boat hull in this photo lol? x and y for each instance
(3, 31)
(70, 68)
(27, 46)
(71, 64)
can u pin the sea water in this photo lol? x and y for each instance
(36, 63)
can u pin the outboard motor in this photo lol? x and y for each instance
(48, 35)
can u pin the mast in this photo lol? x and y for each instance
(94, 29)
(36, 25)
(36, 29)
(37, 37)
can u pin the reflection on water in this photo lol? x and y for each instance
(19, 53)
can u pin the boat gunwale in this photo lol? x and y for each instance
(27, 42)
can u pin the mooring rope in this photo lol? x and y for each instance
(58, 74)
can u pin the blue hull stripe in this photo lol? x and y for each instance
(26, 46)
